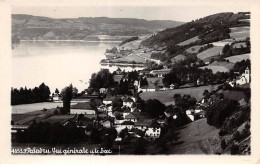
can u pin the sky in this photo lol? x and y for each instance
(177, 13)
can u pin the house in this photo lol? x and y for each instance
(108, 123)
(153, 130)
(127, 124)
(144, 72)
(56, 97)
(200, 81)
(128, 102)
(142, 125)
(171, 111)
(108, 100)
(131, 117)
(190, 113)
(147, 88)
(102, 90)
(172, 86)
(82, 108)
(118, 71)
(126, 112)
(160, 73)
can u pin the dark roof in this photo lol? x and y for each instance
(141, 123)
(154, 124)
(148, 87)
(127, 123)
(128, 100)
(109, 98)
(127, 110)
(83, 106)
(130, 116)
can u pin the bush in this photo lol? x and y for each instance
(223, 144)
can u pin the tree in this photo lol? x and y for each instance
(143, 82)
(66, 98)
(154, 108)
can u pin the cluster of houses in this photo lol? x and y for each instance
(128, 118)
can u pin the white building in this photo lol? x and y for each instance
(242, 79)
(153, 130)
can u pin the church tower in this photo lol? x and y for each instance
(247, 75)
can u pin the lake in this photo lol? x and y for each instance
(58, 63)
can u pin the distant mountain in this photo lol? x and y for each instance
(83, 28)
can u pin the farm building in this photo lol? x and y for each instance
(82, 108)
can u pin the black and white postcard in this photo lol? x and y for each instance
(136, 79)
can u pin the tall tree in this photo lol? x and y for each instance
(66, 97)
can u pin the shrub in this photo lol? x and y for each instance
(223, 144)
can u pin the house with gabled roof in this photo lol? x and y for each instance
(153, 130)
(108, 100)
(131, 117)
(108, 122)
(128, 102)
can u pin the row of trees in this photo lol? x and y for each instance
(26, 96)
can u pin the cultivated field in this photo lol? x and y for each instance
(227, 65)
(166, 96)
(238, 58)
(239, 33)
(194, 39)
(215, 69)
(178, 58)
(211, 52)
(194, 49)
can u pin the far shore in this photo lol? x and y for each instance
(39, 40)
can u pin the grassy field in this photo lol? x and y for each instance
(195, 138)
(178, 58)
(166, 96)
(210, 52)
(58, 118)
(227, 65)
(238, 45)
(238, 58)
(193, 49)
(188, 41)
(130, 58)
(239, 33)
(215, 69)
(222, 42)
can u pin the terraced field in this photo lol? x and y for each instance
(239, 33)
(194, 39)
(238, 58)
(215, 69)
(211, 52)
(166, 96)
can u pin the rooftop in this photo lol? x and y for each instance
(83, 106)
(127, 123)
(130, 116)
